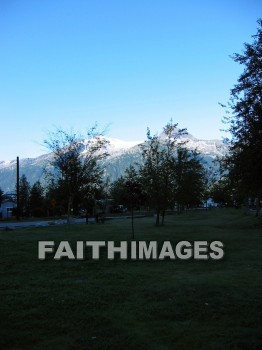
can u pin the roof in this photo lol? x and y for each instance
(10, 200)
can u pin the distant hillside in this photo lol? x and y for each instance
(122, 154)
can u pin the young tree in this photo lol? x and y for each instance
(158, 168)
(127, 190)
(134, 192)
(152, 174)
(76, 162)
(245, 158)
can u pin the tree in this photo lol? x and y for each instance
(244, 161)
(134, 193)
(222, 192)
(24, 197)
(118, 191)
(190, 179)
(158, 168)
(76, 163)
(37, 199)
(128, 191)
(55, 200)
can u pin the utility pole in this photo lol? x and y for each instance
(17, 190)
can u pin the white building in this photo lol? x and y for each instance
(6, 208)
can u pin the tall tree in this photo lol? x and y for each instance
(245, 121)
(76, 162)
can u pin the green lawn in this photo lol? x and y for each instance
(153, 305)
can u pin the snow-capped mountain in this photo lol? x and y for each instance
(121, 155)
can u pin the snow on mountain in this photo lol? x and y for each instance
(212, 148)
(6, 163)
(117, 146)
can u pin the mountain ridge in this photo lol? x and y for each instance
(121, 155)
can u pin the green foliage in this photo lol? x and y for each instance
(24, 196)
(245, 159)
(37, 200)
(118, 191)
(135, 195)
(78, 176)
(127, 190)
(158, 167)
(222, 192)
(190, 179)
(170, 173)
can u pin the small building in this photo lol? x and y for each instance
(209, 203)
(6, 208)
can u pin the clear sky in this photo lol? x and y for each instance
(126, 64)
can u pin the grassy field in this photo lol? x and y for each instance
(152, 305)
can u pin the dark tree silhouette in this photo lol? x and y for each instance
(245, 158)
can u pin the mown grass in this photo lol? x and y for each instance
(118, 304)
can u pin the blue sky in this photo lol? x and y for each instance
(123, 64)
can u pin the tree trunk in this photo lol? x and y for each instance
(132, 218)
(69, 209)
(157, 217)
(163, 217)
(246, 207)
